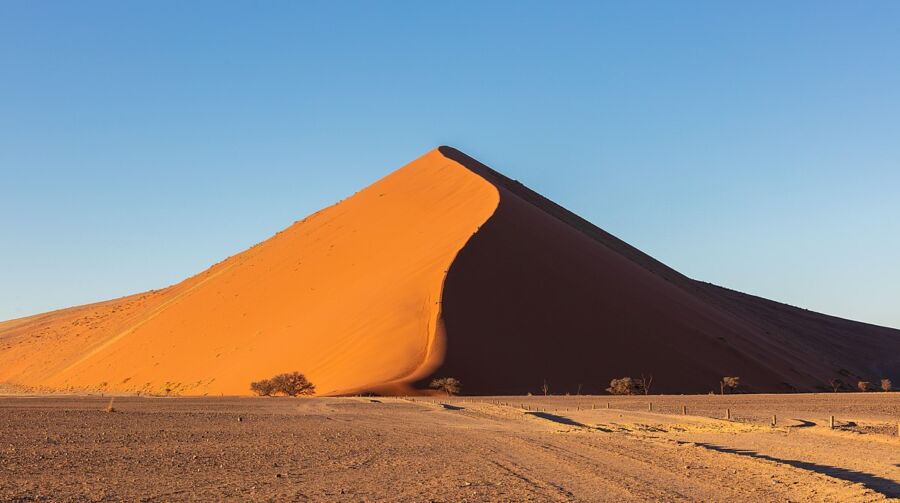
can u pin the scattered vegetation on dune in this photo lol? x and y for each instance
(289, 384)
(449, 385)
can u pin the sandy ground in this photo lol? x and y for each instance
(394, 449)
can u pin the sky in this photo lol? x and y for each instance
(755, 145)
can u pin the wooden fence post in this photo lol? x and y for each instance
(728, 414)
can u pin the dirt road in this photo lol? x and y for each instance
(380, 449)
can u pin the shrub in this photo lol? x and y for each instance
(623, 386)
(449, 385)
(291, 384)
(730, 383)
(264, 387)
(545, 388)
(863, 385)
(886, 384)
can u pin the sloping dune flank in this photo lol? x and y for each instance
(350, 296)
(443, 268)
(539, 294)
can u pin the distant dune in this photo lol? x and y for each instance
(443, 268)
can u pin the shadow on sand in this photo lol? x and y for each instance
(884, 486)
(452, 407)
(803, 423)
(556, 419)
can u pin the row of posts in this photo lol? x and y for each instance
(650, 409)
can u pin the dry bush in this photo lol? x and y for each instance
(264, 387)
(449, 385)
(545, 388)
(623, 386)
(109, 406)
(293, 384)
(730, 383)
(290, 384)
(863, 385)
(886, 384)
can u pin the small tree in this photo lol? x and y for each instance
(645, 382)
(886, 384)
(545, 388)
(730, 383)
(449, 385)
(836, 384)
(623, 386)
(264, 387)
(292, 384)
(863, 385)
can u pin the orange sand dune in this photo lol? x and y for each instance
(444, 267)
(350, 296)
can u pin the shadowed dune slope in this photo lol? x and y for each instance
(443, 268)
(540, 293)
(349, 296)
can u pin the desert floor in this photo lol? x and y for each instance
(460, 449)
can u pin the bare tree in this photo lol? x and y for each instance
(449, 385)
(886, 384)
(863, 385)
(545, 387)
(729, 382)
(836, 384)
(645, 383)
(623, 386)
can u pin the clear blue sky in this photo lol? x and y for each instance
(755, 145)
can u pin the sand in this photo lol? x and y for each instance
(443, 268)
(350, 296)
(485, 449)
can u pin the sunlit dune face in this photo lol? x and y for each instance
(350, 296)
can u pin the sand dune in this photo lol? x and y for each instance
(554, 297)
(350, 296)
(444, 267)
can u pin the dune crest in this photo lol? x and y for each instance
(443, 268)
